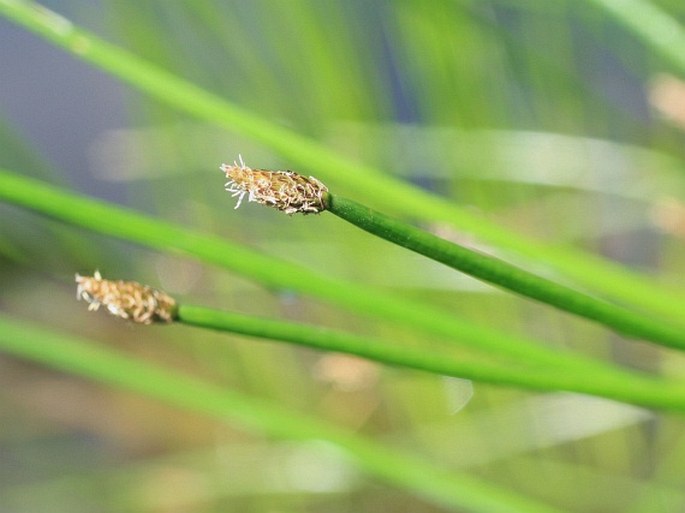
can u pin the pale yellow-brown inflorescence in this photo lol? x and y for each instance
(287, 191)
(126, 299)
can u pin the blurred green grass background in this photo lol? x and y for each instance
(550, 118)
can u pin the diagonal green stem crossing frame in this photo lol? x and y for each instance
(507, 276)
(630, 388)
(84, 358)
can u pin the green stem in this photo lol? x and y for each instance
(507, 276)
(629, 387)
(660, 31)
(84, 358)
(108, 219)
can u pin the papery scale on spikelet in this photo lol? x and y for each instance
(287, 191)
(126, 299)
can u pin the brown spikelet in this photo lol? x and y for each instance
(287, 191)
(126, 299)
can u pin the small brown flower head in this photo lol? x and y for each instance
(285, 190)
(126, 299)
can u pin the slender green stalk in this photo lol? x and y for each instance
(108, 219)
(505, 275)
(661, 32)
(84, 358)
(363, 181)
(630, 387)
(142, 304)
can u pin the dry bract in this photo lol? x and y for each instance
(126, 299)
(287, 191)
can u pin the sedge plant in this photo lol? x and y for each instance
(508, 359)
(292, 193)
(143, 304)
(112, 220)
